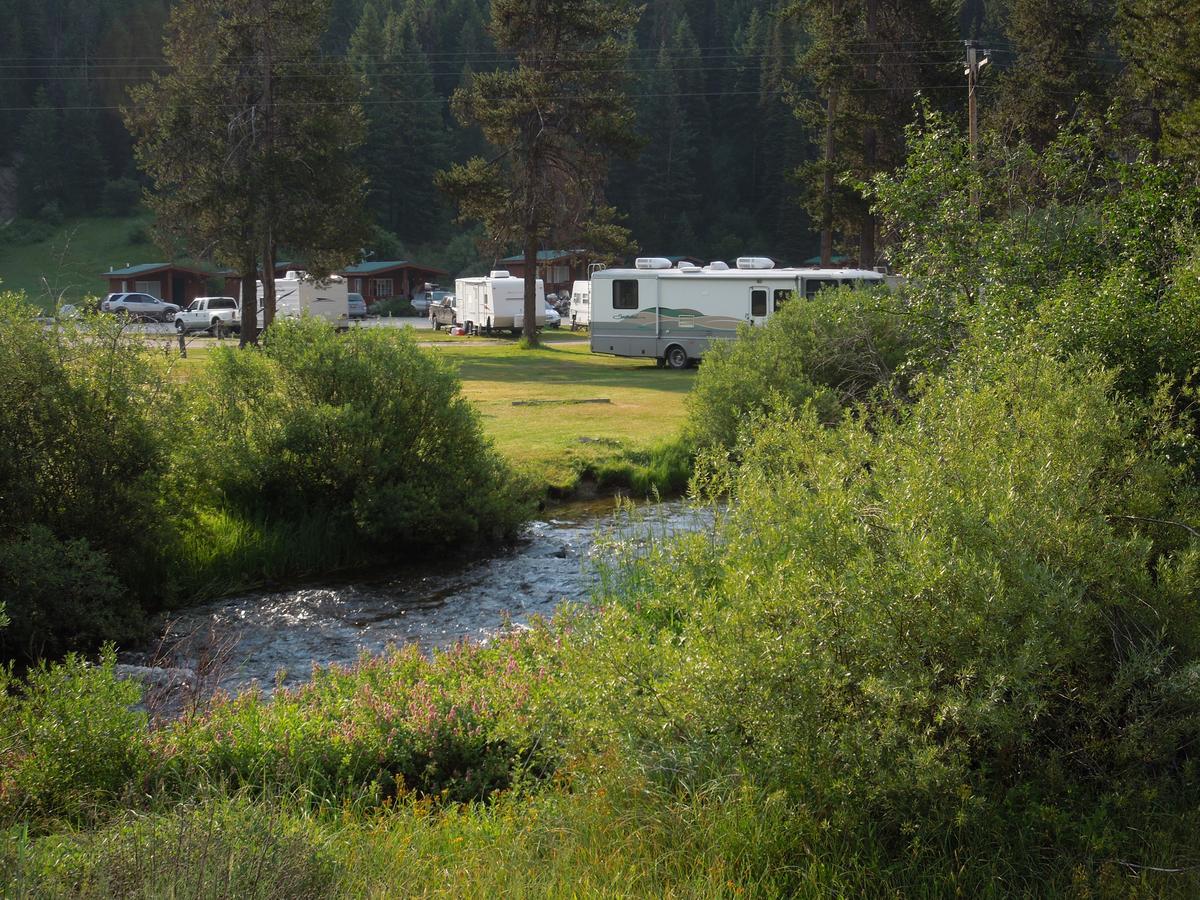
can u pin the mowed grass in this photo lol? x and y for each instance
(551, 439)
(555, 439)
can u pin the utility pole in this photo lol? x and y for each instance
(974, 64)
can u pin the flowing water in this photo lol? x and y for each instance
(276, 637)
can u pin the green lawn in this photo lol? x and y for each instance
(554, 440)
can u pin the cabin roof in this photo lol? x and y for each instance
(147, 268)
(387, 265)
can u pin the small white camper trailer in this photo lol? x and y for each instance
(581, 304)
(496, 301)
(298, 295)
(673, 314)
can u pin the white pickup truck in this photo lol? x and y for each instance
(209, 314)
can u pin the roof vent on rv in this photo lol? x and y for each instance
(500, 273)
(690, 270)
(652, 262)
(755, 262)
(293, 275)
(717, 266)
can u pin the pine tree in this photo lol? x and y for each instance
(41, 171)
(553, 120)
(1160, 41)
(406, 141)
(1057, 62)
(271, 128)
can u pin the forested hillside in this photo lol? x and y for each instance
(733, 100)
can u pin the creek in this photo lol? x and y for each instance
(275, 637)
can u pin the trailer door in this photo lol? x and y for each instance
(759, 295)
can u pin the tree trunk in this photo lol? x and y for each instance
(531, 253)
(866, 233)
(835, 8)
(827, 186)
(268, 267)
(249, 333)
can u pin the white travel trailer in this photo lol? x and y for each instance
(673, 314)
(298, 295)
(581, 304)
(496, 301)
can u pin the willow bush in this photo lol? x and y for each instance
(904, 621)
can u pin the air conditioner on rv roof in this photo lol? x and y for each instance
(652, 262)
(755, 262)
(500, 273)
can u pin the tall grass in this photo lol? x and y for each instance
(227, 552)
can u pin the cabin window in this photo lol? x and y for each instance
(758, 302)
(782, 296)
(382, 288)
(356, 285)
(625, 294)
(147, 287)
(812, 285)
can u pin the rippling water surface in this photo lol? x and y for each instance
(277, 636)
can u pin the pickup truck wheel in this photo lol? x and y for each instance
(179, 326)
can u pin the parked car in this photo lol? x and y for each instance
(358, 306)
(210, 314)
(422, 300)
(553, 319)
(139, 307)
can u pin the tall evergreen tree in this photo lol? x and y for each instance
(1058, 59)
(554, 121)
(1160, 42)
(406, 141)
(271, 128)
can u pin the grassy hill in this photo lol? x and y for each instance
(69, 261)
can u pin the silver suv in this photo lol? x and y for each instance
(139, 307)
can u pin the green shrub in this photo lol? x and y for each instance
(365, 429)
(61, 595)
(80, 422)
(121, 197)
(70, 740)
(906, 624)
(460, 726)
(394, 306)
(832, 351)
(211, 848)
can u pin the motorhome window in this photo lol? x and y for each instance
(812, 285)
(782, 296)
(851, 282)
(625, 294)
(758, 303)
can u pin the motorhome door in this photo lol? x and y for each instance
(759, 298)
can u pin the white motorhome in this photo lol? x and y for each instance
(296, 295)
(673, 314)
(581, 304)
(496, 301)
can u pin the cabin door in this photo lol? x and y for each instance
(758, 305)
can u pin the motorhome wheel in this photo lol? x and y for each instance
(676, 357)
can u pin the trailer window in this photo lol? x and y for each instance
(812, 285)
(625, 294)
(782, 296)
(758, 302)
